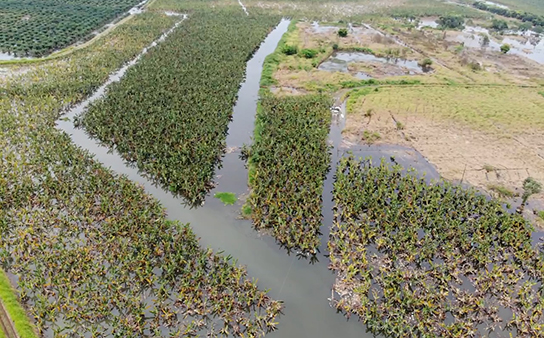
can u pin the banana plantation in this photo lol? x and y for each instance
(288, 163)
(413, 259)
(37, 28)
(92, 254)
(108, 151)
(169, 115)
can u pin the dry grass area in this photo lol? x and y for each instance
(480, 135)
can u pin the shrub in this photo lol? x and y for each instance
(499, 25)
(451, 22)
(425, 63)
(505, 48)
(309, 53)
(530, 187)
(289, 50)
(335, 46)
(485, 40)
(343, 32)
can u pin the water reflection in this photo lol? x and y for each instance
(339, 62)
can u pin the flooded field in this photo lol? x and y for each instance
(527, 44)
(427, 22)
(304, 285)
(301, 285)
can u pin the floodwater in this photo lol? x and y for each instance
(339, 61)
(318, 28)
(305, 288)
(527, 44)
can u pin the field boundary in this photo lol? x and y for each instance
(6, 324)
(14, 320)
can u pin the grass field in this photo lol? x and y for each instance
(510, 109)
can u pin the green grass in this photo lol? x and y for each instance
(272, 61)
(513, 108)
(228, 198)
(14, 309)
(371, 137)
(247, 211)
(540, 214)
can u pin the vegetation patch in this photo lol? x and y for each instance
(422, 260)
(169, 114)
(228, 198)
(534, 19)
(39, 27)
(289, 160)
(272, 61)
(501, 190)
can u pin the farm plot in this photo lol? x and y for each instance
(288, 164)
(430, 260)
(38, 27)
(92, 253)
(170, 113)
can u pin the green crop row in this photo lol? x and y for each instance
(289, 160)
(38, 27)
(419, 260)
(93, 253)
(170, 113)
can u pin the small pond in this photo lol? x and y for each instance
(320, 29)
(338, 62)
(427, 22)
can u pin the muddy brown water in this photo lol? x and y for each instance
(305, 288)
